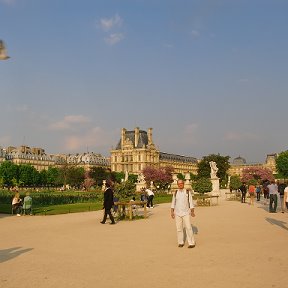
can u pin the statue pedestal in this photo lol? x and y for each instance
(215, 186)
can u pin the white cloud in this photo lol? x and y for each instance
(68, 122)
(94, 138)
(106, 24)
(114, 38)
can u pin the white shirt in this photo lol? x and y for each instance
(182, 203)
(149, 192)
(273, 189)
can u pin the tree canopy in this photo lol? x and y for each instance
(222, 165)
(282, 164)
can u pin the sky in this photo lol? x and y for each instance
(209, 76)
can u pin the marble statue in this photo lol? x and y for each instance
(214, 169)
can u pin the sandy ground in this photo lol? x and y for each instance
(237, 246)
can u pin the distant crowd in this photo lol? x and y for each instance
(274, 193)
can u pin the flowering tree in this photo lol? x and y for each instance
(161, 177)
(256, 173)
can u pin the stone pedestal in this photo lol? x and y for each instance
(187, 184)
(174, 185)
(215, 186)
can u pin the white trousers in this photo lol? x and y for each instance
(181, 223)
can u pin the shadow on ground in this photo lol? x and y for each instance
(8, 254)
(279, 223)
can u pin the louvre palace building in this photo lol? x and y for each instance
(134, 151)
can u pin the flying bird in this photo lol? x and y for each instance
(3, 53)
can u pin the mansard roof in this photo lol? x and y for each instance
(20, 153)
(177, 158)
(130, 135)
(88, 158)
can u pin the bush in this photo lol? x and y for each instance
(202, 185)
(124, 190)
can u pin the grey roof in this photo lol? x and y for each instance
(239, 161)
(177, 158)
(143, 139)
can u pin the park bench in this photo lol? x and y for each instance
(206, 200)
(125, 208)
(232, 196)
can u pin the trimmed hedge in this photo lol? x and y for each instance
(54, 198)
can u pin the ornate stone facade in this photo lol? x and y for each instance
(136, 150)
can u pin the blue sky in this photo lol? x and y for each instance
(207, 76)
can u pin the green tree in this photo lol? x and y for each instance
(124, 190)
(222, 165)
(235, 182)
(28, 175)
(117, 176)
(202, 185)
(180, 176)
(43, 177)
(53, 175)
(8, 171)
(282, 164)
(75, 176)
(98, 174)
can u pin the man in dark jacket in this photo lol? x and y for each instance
(108, 202)
(243, 189)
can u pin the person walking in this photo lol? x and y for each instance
(150, 195)
(265, 191)
(258, 192)
(182, 209)
(251, 190)
(281, 188)
(273, 195)
(243, 189)
(108, 202)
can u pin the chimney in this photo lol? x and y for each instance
(136, 136)
(123, 132)
(150, 136)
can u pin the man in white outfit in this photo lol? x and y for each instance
(182, 209)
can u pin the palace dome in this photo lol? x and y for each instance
(239, 161)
